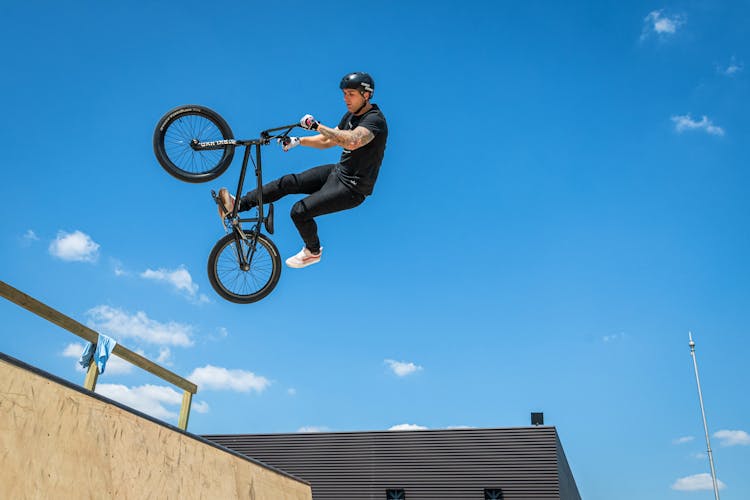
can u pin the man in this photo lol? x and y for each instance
(362, 133)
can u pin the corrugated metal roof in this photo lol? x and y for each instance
(456, 464)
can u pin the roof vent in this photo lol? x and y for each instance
(537, 418)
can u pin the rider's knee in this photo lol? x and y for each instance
(299, 211)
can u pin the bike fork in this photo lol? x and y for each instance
(252, 241)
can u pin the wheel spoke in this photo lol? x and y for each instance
(177, 144)
(243, 285)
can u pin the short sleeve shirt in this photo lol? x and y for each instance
(358, 169)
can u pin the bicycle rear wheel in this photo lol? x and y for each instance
(258, 279)
(176, 131)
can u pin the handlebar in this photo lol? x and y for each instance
(265, 138)
(266, 134)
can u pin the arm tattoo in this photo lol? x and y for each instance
(349, 139)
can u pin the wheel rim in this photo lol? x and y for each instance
(243, 283)
(177, 139)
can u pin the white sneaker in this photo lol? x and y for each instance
(304, 258)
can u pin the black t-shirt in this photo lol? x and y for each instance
(359, 169)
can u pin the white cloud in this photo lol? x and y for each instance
(118, 324)
(216, 378)
(407, 427)
(657, 22)
(165, 356)
(732, 438)
(697, 482)
(685, 122)
(682, 440)
(118, 268)
(313, 428)
(699, 455)
(291, 391)
(200, 407)
(115, 364)
(180, 279)
(732, 69)
(664, 24)
(74, 247)
(28, 238)
(30, 235)
(402, 368)
(220, 334)
(613, 337)
(150, 399)
(73, 350)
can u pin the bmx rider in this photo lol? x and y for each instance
(362, 133)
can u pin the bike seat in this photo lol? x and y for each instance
(268, 222)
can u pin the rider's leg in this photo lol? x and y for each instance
(306, 182)
(334, 196)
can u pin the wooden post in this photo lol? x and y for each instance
(187, 399)
(91, 375)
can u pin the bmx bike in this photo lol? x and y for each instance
(195, 144)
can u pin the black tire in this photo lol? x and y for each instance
(172, 138)
(244, 286)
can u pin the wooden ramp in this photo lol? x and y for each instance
(58, 440)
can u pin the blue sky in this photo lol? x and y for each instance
(563, 198)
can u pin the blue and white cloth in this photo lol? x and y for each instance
(99, 352)
(87, 355)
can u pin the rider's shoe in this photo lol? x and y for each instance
(227, 203)
(304, 258)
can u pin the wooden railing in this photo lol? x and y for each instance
(40, 309)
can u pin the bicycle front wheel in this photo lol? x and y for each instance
(248, 283)
(173, 143)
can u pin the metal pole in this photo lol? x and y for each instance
(703, 413)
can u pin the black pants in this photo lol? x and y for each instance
(327, 194)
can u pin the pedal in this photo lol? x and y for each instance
(269, 219)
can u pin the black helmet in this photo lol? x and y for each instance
(359, 81)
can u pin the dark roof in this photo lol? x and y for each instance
(525, 462)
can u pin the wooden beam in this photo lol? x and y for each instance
(152, 367)
(43, 310)
(18, 297)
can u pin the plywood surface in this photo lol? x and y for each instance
(56, 442)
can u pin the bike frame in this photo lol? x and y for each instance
(265, 138)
